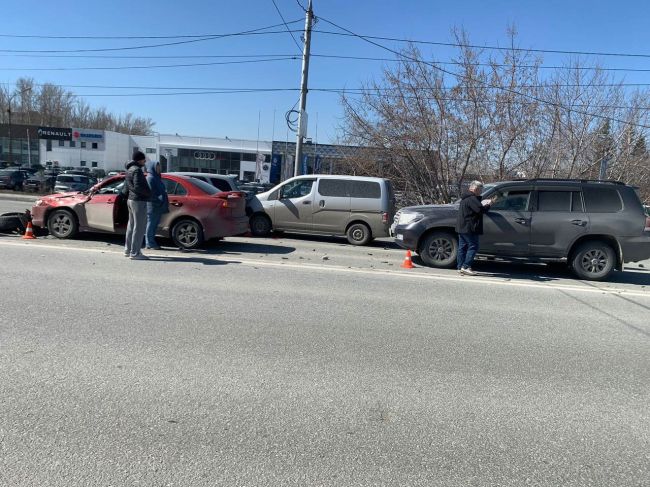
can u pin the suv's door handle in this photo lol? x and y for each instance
(321, 203)
(580, 223)
(521, 221)
(306, 202)
(176, 203)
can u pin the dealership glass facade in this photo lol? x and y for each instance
(20, 152)
(209, 161)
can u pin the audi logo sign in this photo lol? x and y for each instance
(211, 156)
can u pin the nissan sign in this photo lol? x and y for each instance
(54, 133)
(88, 135)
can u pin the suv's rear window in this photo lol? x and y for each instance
(602, 200)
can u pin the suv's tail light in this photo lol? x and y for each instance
(384, 217)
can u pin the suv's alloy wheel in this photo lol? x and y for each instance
(439, 249)
(593, 261)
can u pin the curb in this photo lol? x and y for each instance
(18, 197)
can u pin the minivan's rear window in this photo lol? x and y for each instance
(602, 200)
(365, 189)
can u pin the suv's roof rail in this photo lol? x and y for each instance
(610, 181)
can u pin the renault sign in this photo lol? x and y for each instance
(54, 133)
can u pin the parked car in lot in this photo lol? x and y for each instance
(38, 183)
(360, 208)
(66, 183)
(255, 188)
(12, 179)
(197, 211)
(593, 226)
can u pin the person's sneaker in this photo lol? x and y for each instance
(460, 271)
(468, 271)
(127, 253)
(139, 257)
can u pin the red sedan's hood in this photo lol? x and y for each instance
(73, 196)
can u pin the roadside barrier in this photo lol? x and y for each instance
(29, 232)
(408, 263)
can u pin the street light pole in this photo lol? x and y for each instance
(11, 152)
(11, 156)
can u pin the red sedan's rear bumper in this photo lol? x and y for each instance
(226, 227)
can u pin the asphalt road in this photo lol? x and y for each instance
(298, 361)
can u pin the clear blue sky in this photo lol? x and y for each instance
(594, 25)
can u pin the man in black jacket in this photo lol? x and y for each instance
(139, 195)
(469, 225)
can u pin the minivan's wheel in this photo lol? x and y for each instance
(593, 261)
(260, 225)
(359, 234)
(62, 224)
(439, 249)
(187, 234)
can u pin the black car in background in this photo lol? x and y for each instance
(12, 179)
(592, 226)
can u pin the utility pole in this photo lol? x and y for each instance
(302, 122)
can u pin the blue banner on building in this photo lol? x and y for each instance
(276, 168)
(305, 158)
(318, 162)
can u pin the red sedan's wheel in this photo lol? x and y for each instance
(187, 234)
(62, 224)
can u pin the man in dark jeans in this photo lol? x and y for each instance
(469, 226)
(139, 196)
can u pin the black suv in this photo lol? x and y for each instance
(593, 226)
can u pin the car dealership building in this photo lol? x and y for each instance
(250, 160)
(105, 150)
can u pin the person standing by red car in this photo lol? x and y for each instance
(139, 195)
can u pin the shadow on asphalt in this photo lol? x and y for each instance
(545, 273)
(212, 247)
(340, 241)
(185, 260)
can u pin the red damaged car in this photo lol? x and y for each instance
(197, 211)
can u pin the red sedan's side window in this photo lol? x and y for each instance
(174, 188)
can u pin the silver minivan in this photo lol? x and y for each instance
(361, 208)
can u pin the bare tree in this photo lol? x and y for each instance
(51, 105)
(433, 128)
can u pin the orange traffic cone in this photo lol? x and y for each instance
(29, 232)
(408, 263)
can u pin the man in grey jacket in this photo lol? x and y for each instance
(139, 195)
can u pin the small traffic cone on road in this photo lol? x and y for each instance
(29, 232)
(408, 263)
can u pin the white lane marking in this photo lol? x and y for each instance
(478, 280)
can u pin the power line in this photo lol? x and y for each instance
(487, 47)
(260, 31)
(508, 90)
(285, 24)
(325, 56)
(159, 66)
(180, 36)
(341, 91)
